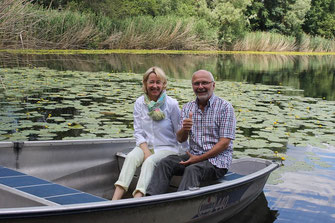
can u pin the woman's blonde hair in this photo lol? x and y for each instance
(159, 73)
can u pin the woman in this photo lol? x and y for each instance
(156, 119)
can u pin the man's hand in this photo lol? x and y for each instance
(191, 160)
(188, 123)
(182, 134)
(217, 148)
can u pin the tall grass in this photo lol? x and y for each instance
(23, 25)
(263, 41)
(316, 44)
(145, 32)
(66, 29)
(13, 22)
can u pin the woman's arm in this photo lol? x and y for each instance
(139, 133)
(175, 116)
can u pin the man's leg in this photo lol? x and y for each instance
(199, 172)
(163, 173)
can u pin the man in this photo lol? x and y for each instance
(209, 125)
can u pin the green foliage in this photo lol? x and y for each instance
(203, 10)
(282, 16)
(295, 16)
(229, 17)
(177, 7)
(128, 8)
(257, 15)
(321, 18)
(51, 3)
(132, 8)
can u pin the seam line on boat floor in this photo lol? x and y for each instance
(23, 175)
(35, 185)
(64, 195)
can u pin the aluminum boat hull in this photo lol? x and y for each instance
(92, 167)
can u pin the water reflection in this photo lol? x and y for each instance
(256, 212)
(313, 74)
(306, 192)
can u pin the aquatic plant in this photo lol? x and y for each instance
(42, 104)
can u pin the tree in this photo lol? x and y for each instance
(257, 15)
(295, 17)
(131, 8)
(281, 16)
(320, 19)
(230, 17)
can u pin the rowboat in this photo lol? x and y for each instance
(72, 181)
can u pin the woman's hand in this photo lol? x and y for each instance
(146, 151)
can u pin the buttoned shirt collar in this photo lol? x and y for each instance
(209, 102)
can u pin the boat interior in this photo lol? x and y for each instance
(60, 180)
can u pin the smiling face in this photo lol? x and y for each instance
(154, 86)
(203, 85)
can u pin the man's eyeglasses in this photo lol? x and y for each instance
(203, 83)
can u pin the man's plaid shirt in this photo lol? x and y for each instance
(217, 121)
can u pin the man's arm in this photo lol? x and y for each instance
(217, 148)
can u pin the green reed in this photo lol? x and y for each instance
(263, 41)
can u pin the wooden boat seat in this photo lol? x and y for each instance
(53, 193)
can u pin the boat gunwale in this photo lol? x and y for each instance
(67, 142)
(6, 144)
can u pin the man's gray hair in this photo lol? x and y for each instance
(210, 74)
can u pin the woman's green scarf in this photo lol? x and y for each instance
(154, 107)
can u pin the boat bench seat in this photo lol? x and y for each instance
(176, 179)
(43, 189)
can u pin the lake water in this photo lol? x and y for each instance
(285, 106)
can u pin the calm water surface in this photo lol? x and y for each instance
(315, 75)
(305, 190)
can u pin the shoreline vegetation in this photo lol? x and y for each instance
(29, 27)
(142, 52)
